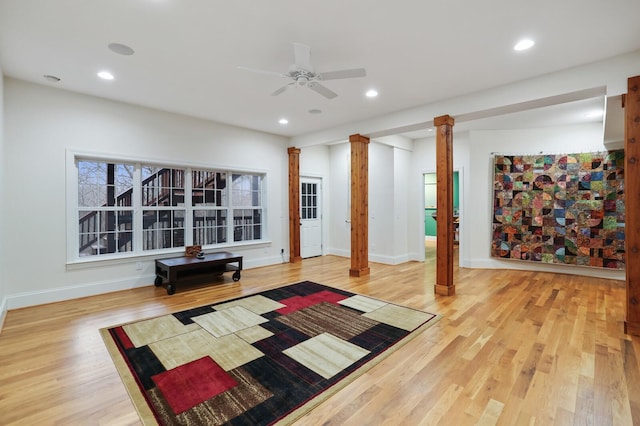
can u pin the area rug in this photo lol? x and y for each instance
(262, 359)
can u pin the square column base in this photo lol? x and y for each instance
(632, 328)
(444, 290)
(358, 272)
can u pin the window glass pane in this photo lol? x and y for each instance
(162, 186)
(247, 224)
(162, 229)
(246, 190)
(209, 227)
(124, 181)
(104, 184)
(209, 188)
(102, 232)
(103, 187)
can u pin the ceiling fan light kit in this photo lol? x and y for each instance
(302, 74)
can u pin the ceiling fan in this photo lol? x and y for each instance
(301, 73)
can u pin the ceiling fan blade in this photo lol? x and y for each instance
(267, 72)
(302, 56)
(280, 90)
(319, 88)
(335, 75)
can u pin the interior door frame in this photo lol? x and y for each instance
(460, 171)
(320, 194)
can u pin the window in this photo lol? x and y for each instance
(247, 214)
(163, 213)
(105, 212)
(209, 201)
(131, 208)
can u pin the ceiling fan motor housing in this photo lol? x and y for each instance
(302, 77)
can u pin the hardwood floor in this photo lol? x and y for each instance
(511, 348)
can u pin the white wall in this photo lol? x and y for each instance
(388, 201)
(43, 122)
(381, 197)
(3, 291)
(339, 229)
(401, 189)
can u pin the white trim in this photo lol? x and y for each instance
(338, 252)
(422, 216)
(3, 312)
(189, 208)
(520, 265)
(33, 298)
(157, 254)
(109, 156)
(389, 260)
(72, 240)
(386, 260)
(318, 180)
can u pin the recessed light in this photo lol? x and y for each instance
(315, 111)
(524, 44)
(431, 129)
(371, 93)
(51, 78)
(105, 75)
(283, 121)
(120, 49)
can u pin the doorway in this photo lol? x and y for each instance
(310, 217)
(430, 205)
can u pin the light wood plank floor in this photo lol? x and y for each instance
(512, 348)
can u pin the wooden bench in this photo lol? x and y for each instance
(181, 268)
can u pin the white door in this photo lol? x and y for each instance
(310, 217)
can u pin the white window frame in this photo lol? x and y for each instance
(72, 208)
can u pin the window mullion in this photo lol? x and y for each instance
(230, 216)
(188, 206)
(137, 208)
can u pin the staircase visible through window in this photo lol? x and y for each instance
(134, 208)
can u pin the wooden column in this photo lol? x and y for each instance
(632, 205)
(294, 205)
(444, 203)
(359, 205)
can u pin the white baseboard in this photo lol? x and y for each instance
(59, 294)
(33, 298)
(3, 312)
(264, 261)
(613, 274)
(387, 260)
(338, 252)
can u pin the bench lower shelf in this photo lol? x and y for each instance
(176, 269)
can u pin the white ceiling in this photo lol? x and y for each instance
(415, 51)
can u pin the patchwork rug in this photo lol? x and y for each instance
(256, 360)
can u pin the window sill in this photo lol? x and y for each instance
(123, 259)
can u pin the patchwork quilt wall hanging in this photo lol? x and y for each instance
(561, 209)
